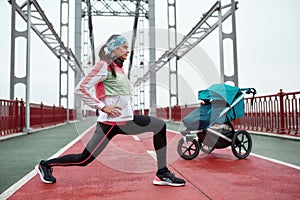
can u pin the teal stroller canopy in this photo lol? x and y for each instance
(217, 98)
(220, 92)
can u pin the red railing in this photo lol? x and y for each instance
(178, 112)
(42, 115)
(278, 113)
(12, 116)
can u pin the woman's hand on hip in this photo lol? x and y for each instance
(113, 111)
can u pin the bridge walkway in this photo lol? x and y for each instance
(126, 168)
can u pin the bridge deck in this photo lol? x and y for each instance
(125, 170)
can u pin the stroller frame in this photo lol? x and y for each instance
(240, 141)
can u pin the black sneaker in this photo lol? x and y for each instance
(45, 173)
(168, 178)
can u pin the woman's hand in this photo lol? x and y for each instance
(113, 111)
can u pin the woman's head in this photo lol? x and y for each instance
(115, 42)
(115, 50)
(115, 47)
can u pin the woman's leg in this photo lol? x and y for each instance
(142, 124)
(94, 147)
(103, 134)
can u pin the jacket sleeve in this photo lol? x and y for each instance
(96, 75)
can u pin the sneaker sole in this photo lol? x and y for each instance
(41, 175)
(156, 182)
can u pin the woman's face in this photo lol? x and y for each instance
(122, 51)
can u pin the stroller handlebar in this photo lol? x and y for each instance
(250, 91)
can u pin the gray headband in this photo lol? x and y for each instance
(116, 42)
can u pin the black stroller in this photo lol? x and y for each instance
(210, 126)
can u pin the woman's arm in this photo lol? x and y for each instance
(96, 75)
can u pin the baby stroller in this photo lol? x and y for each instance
(210, 126)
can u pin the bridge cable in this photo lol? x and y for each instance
(91, 34)
(133, 36)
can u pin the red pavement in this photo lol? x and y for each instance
(125, 171)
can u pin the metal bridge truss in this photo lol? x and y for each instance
(209, 22)
(122, 8)
(36, 20)
(173, 65)
(138, 68)
(40, 24)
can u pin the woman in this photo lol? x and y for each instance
(113, 100)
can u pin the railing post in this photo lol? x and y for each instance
(54, 117)
(176, 113)
(42, 114)
(167, 111)
(281, 112)
(22, 115)
(15, 118)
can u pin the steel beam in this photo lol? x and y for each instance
(173, 65)
(200, 31)
(135, 24)
(120, 8)
(152, 57)
(78, 75)
(44, 29)
(64, 31)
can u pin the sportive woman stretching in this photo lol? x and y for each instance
(113, 100)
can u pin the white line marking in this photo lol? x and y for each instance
(262, 157)
(176, 132)
(152, 154)
(136, 138)
(12, 189)
(276, 161)
(12, 135)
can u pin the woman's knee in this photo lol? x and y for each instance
(85, 163)
(157, 120)
(84, 158)
(158, 123)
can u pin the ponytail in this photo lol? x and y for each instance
(104, 55)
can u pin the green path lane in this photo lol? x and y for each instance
(19, 155)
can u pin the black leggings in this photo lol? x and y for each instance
(104, 133)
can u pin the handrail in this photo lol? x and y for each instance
(277, 113)
(12, 116)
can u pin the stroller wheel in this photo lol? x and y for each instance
(188, 150)
(206, 149)
(241, 144)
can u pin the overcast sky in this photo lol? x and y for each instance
(268, 45)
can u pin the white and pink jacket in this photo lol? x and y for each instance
(111, 91)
